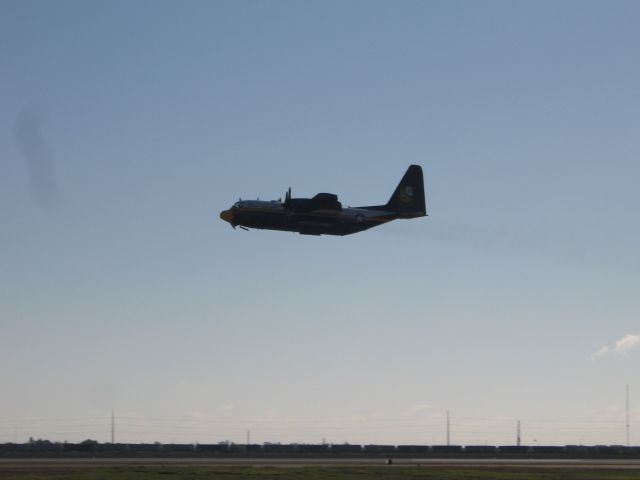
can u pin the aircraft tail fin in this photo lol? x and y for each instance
(408, 198)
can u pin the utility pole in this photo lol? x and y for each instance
(627, 398)
(248, 437)
(518, 436)
(113, 427)
(448, 430)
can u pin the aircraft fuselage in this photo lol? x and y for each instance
(323, 214)
(272, 215)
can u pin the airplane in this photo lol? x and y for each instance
(324, 214)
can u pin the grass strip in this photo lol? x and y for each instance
(317, 473)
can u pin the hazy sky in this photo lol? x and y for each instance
(126, 127)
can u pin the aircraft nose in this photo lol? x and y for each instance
(227, 216)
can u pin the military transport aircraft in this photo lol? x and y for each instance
(324, 214)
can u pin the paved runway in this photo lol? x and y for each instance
(43, 463)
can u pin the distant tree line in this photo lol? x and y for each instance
(46, 448)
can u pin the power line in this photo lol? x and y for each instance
(395, 430)
(448, 430)
(627, 402)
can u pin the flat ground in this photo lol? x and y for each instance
(138, 469)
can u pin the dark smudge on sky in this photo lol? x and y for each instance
(41, 168)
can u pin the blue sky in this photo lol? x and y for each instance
(121, 289)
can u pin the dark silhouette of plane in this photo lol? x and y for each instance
(324, 214)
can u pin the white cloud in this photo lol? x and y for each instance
(193, 415)
(417, 409)
(627, 343)
(621, 347)
(603, 351)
